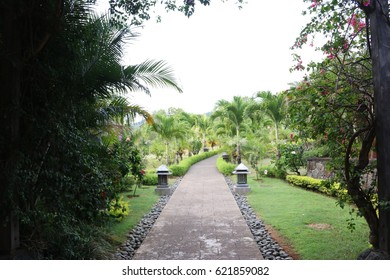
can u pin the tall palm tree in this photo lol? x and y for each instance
(233, 114)
(274, 106)
(169, 128)
(203, 124)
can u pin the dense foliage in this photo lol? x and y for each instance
(62, 163)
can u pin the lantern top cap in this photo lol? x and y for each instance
(163, 169)
(241, 169)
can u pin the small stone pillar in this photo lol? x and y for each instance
(242, 186)
(162, 177)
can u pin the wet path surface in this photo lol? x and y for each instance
(200, 222)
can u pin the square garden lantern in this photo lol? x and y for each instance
(242, 186)
(225, 156)
(162, 180)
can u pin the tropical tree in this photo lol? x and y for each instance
(232, 117)
(258, 144)
(348, 27)
(274, 106)
(55, 172)
(203, 124)
(169, 128)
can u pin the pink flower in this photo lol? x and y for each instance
(314, 3)
(366, 2)
(299, 65)
(331, 56)
(352, 20)
(356, 23)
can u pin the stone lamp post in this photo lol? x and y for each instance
(162, 179)
(242, 186)
(225, 156)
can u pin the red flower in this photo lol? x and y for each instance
(143, 172)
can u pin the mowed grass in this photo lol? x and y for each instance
(291, 211)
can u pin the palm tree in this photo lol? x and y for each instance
(68, 82)
(203, 124)
(274, 107)
(169, 128)
(109, 80)
(233, 115)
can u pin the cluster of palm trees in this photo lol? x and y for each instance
(242, 126)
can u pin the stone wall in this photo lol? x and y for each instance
(316, 168)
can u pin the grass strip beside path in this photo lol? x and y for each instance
(312, 223)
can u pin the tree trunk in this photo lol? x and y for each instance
(10, 97)
(238, 145)
(380, 41)
(167, 152)
(278, 155)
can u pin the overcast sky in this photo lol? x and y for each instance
(220, 52)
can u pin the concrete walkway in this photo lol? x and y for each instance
(200, 222)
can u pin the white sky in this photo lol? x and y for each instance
(220, 52)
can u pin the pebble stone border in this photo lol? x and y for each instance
(269, 248)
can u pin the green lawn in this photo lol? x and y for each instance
(290, 210)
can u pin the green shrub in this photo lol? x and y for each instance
(322, 151)
(224, 167)
(118, 208)
(126, 183)
(179, 169)
(304, 182)
(150, 179)
(267, 171)
(324, 186)
(182, 168)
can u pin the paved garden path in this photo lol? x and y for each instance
(200, 222)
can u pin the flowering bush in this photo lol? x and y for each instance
(291, 157)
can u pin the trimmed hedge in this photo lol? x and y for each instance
(150, 178)
(182, 168)
(322, 186)
(226, 168)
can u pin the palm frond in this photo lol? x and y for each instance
(151, 73)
